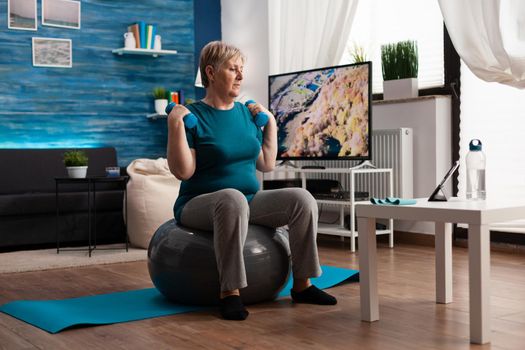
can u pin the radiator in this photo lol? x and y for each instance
(391, 148)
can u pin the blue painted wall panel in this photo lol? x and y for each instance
(207, 28)
(104, 98)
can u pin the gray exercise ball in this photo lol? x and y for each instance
(182, 265)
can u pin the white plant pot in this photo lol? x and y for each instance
(160, 106)
(77, 172)
(400, 88)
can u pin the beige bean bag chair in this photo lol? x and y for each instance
(152, 191)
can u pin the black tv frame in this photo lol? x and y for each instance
(353, 158)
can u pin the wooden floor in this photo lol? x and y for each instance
(410, 319)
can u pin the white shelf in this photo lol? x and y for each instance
(338, 230)
(328, 170)
(155, 116)
(149, 52)
(340, 202)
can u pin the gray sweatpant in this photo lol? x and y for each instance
(228, 213)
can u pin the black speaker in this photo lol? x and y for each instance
(275, 184)
(312, 185)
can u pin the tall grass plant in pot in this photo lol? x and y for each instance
(76, 163)
(399, 63)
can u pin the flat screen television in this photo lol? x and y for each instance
(323, 114)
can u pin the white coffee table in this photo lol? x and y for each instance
(477, 214)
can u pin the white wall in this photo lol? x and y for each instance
(430, 119)
(245, 25)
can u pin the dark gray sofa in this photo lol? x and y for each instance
(27, 200)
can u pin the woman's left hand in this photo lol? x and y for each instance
(266, 159)
(257, 107)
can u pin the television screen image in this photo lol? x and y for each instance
(323, 113)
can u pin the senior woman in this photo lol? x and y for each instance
(217, 162)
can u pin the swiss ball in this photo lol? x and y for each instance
(182, 265)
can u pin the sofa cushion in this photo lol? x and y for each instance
(34, 170)
(44, 203)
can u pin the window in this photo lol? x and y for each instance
(494, 114)
(380, 22)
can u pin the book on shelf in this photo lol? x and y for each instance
(178, 97)
(153, 33)
(175, 97)
(134, 28)
(142, 33)
(150, 32)
(148, 36)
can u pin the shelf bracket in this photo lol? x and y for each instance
(364, 164)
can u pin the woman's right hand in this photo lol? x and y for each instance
(178, 113)
(181, 158)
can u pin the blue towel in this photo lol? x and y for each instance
(393, 201)
(54, 316)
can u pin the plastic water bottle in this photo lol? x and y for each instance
(475, 171)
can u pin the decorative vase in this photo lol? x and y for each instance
(77, 172)
(160, 106)
(157, 43)
(400, 88)
(129, 41)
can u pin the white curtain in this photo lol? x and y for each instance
(245, 25)
(489, 36)
(495, 114)
(307, 34)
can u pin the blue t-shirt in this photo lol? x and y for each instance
(227, 144)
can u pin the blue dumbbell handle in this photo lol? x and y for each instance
(190, 120)
(261, 118)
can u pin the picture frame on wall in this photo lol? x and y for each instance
(21, 14)
(52, 52)
(61, 13)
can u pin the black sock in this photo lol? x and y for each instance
(232, 308)
(313, 295)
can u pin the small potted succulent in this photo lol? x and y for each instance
(76, 162)
(400, 67)
(161, 96)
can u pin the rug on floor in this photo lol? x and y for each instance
(55, 316)
(47, 259)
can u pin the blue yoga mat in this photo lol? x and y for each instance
(54, 316)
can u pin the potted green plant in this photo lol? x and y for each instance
(160, 95)
(400, 67)
(357, 53)
(76, 162)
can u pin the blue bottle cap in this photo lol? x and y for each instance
(474, 145)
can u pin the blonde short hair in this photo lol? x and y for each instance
(215, 54)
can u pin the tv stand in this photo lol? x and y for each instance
(347, 206)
